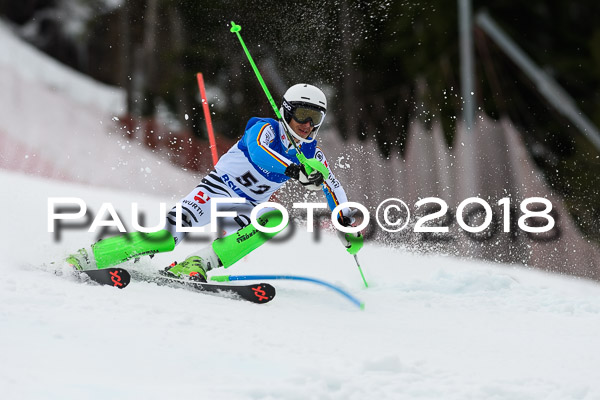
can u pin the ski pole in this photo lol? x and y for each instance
(360, 270)
(309, 165)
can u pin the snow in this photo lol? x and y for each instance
(61, 124)
(37, 67)
(433, 327)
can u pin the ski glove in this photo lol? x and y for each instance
(312, 181)
(353, 242)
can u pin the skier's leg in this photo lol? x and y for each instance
(195, 210)
(226, 251)
(117, 249)
(233, 247)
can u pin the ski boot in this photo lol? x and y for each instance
(83, 260)
(195, 266)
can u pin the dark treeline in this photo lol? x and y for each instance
(382, 64)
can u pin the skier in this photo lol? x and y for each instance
(253, 169)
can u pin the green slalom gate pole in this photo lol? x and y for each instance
(236, 29)
(309, 164)
(228, 278)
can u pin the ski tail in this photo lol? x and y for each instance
(116, 277)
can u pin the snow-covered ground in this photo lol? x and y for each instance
(58, 123)
(433, 327)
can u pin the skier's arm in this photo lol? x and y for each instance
(258, 140)
(312, 181)
(334, 192)
(336, 195)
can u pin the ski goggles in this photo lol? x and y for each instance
(303, 114)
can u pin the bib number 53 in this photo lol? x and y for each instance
(248, 180)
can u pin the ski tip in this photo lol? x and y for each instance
(362, 306)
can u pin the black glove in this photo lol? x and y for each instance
(346, 221)
(353, 242)
(312, 181)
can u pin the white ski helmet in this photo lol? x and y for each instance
(304, 103)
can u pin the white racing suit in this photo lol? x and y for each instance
(253, 169)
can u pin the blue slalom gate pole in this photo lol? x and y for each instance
(225, 278)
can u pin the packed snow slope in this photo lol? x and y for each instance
(433, 327)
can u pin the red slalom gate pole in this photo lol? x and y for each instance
(211, 133)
